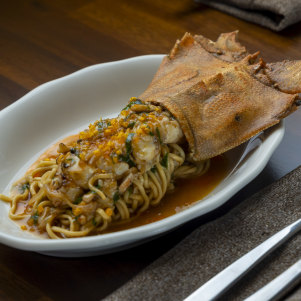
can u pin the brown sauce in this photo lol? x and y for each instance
(187, 192)
(51, 152)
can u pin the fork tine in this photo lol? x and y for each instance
(279, 286)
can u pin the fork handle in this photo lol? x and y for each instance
(280, 285)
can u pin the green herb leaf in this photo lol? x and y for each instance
(102, 125)
(131, 125)
(116, 196)
(154, 169)
(24, 187)
(123, 158)
(131, 163)
(94, 222)
(128, 143)
(74, 151)
(136, 101)
(35, 217)
(130, 189)
(68, 163)
(78, 200)
(158, 134)
(112, 155)
(127, 117)
(151, 133)
(164, 161)
(127, 159)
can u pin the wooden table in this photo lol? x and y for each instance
(41, 40)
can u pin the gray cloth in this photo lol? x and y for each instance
(215, 245)
(274, 14)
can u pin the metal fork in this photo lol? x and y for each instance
(279, 286)
(230, 275)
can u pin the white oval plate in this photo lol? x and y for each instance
(67, 105)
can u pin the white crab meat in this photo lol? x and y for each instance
(80, 172)
(145, 149)
(170, 131)
(120, 168)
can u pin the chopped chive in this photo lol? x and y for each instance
(78, 200)
(24, 187)
(130, 189)
(158, 134)
(35, 217)
(127, 159)
(74, 151)
(131, 125)
(128, 143)
(116, 196)
(154, 169)
(127, 117)
(123, 158)
(102, 125)
(112, 157)
(164, 161)
(131, 163)
(66, 165)
(136, 101)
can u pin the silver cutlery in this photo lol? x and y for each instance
(279, 286)
(217, 285)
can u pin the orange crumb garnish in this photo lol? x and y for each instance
(30, 222)
(77, 211)
(109, 211)
(40, 210)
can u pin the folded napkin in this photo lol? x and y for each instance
(274, 14)
(215, 245)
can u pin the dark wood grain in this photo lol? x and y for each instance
(41, 40)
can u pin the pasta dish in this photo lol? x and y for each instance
(205, 99)
(115, 170)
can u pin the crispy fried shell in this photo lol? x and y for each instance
(226, 46)
(286, 75)
(219, 95)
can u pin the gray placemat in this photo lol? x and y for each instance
(215, 245)
(274, 14)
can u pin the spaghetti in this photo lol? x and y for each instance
(116, 170)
